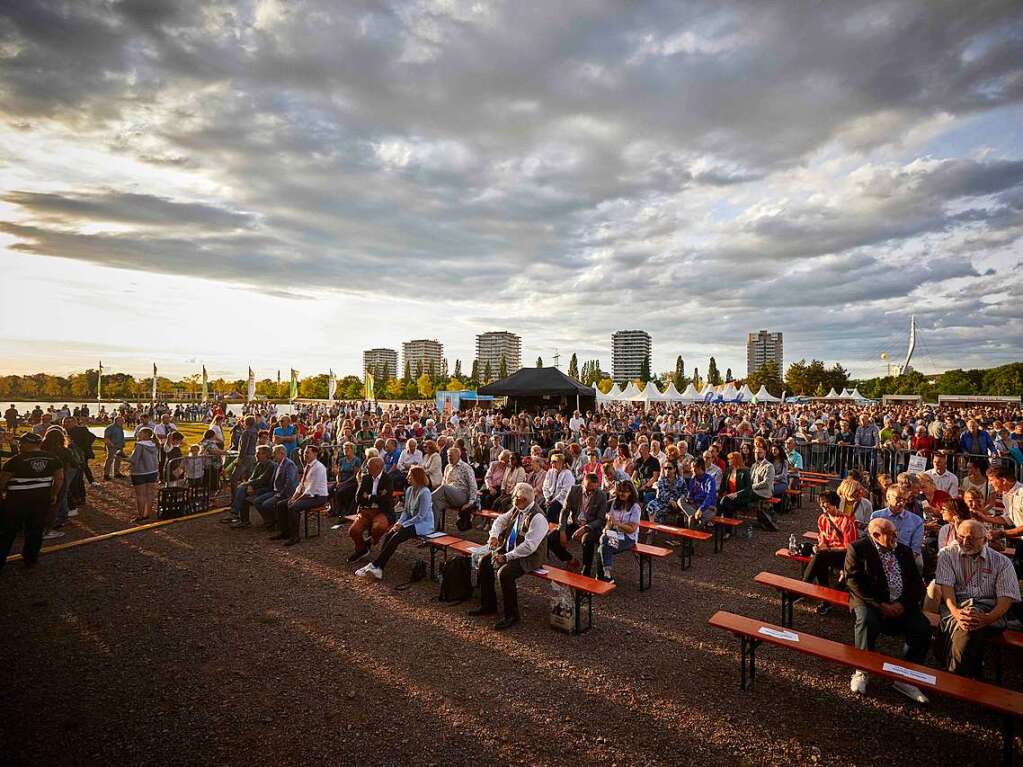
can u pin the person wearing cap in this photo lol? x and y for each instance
(31, 482)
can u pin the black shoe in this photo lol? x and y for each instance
(291, 541)
(823, 608)
(278, 537)
(358, 555)
(481, 611)
(506, 623)
(237, 524)
(227, 520)
(767, 521)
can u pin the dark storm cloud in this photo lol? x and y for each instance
(655, 158)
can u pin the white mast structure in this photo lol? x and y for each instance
(904, 368)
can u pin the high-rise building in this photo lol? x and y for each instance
(763, 347)
(422, 352)
(491, 347)
(377, 360)
(629, 349)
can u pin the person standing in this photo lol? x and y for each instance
(31, 483)
(145, 471)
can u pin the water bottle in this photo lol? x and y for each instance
(793, 548)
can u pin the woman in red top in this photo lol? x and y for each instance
(836, 531)
(922, 442)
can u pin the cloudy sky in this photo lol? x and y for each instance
(287, 183)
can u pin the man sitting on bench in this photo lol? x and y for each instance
(375, 501)
(885, 593)
(978, 586)
(516, 543)
(581, 520)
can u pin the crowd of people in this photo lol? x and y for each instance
(931, 532)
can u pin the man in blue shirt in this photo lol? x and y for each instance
(908, 525)
(113, 439)
(286, 434)
(703, 494)
(975, 441)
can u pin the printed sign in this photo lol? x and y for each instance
(916, 676)
(917, 464)
(788, 636)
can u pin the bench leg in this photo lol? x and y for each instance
(747, 662)
(787, 605)
(646, 572)
(685, 556)
(1008, 741)
(997, 653)
(433, 563)
(578, 612)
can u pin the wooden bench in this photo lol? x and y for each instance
(786, 554)
(752, 633)
(646, 554)
(721, 525)
(491, 514)
(579, 584)
(318, 513)
(792, 589)
(687, 536)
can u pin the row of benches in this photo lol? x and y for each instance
(752, 632)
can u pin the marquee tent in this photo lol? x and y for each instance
(536, 389)
(690, 394)
(671, 394)
(763, 395)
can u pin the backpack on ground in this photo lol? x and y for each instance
(456, 580)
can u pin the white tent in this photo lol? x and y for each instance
(690, 394)
(671, 394)
(630, 394)
(613, 392)
(652, 394)
(765, 396)
(745, 393)
(855, 394)
(846, 394)
(832, 395)
(728, 393)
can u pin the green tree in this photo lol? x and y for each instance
(768, 376)
(605, 385)
(728, 374)
(697, 381)
(407, 378)
(539, 362)
(644, 369)
(819, 391)
(419, 368)
(680, 373)
(713, 376)
(573, 367)
(487, 374)
(458, 368)
(313, 387)
(502, 368)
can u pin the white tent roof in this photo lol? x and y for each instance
(855, 394)
(846, 394)
(832, 395)
(746, 393)
(671, 394)
(690, 394)
(630, 394)
(652, 394)
(765, 396)
(729, 392)
(614, 391)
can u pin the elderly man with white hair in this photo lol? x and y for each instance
(978, 586)
(517, 544)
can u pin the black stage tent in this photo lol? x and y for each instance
(538, 389)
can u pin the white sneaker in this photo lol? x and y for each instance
(73, 513)
(363, 571)
(52, 535)
(376, 571)
(858, 683)
(910, 691)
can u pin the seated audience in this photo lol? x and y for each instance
(416, 519)
(259, 483)
(835, 533)
(375, 504)
(311, 493)
(458, 491)
(582, 519)
(621, 529)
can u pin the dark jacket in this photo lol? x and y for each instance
(285, 478)
(866, 580)
(597, 513)
(262, 478)
(743, 484)
(384, 498)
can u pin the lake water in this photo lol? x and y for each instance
(23, 407)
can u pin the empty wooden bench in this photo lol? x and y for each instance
(752, 633)
(687, 536)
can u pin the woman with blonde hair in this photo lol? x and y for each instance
(854, 502)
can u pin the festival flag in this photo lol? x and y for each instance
(331, 386)
(205, 385)
(99, 382)
(293, 394)
(251, 392)
(154, 383)
(369, 386)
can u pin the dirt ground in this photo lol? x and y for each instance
(198, 644)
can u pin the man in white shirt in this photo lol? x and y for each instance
(576, 424)
(410, 456)
(557, 483)
(1002, 480)
(517, 545)
(943, 479)
(311, 493)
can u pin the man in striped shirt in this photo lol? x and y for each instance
(31, 482)
(978, 586)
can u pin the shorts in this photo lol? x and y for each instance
(143, 479)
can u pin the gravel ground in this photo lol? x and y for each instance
(197, 644)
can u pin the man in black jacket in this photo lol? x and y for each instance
(260, 481)
(375, 501)
(582, 519)
(885, 593)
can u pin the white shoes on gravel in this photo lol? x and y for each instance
(858, 683)
(369, 569)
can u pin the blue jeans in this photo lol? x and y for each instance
(238, 503)
(609, 548)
